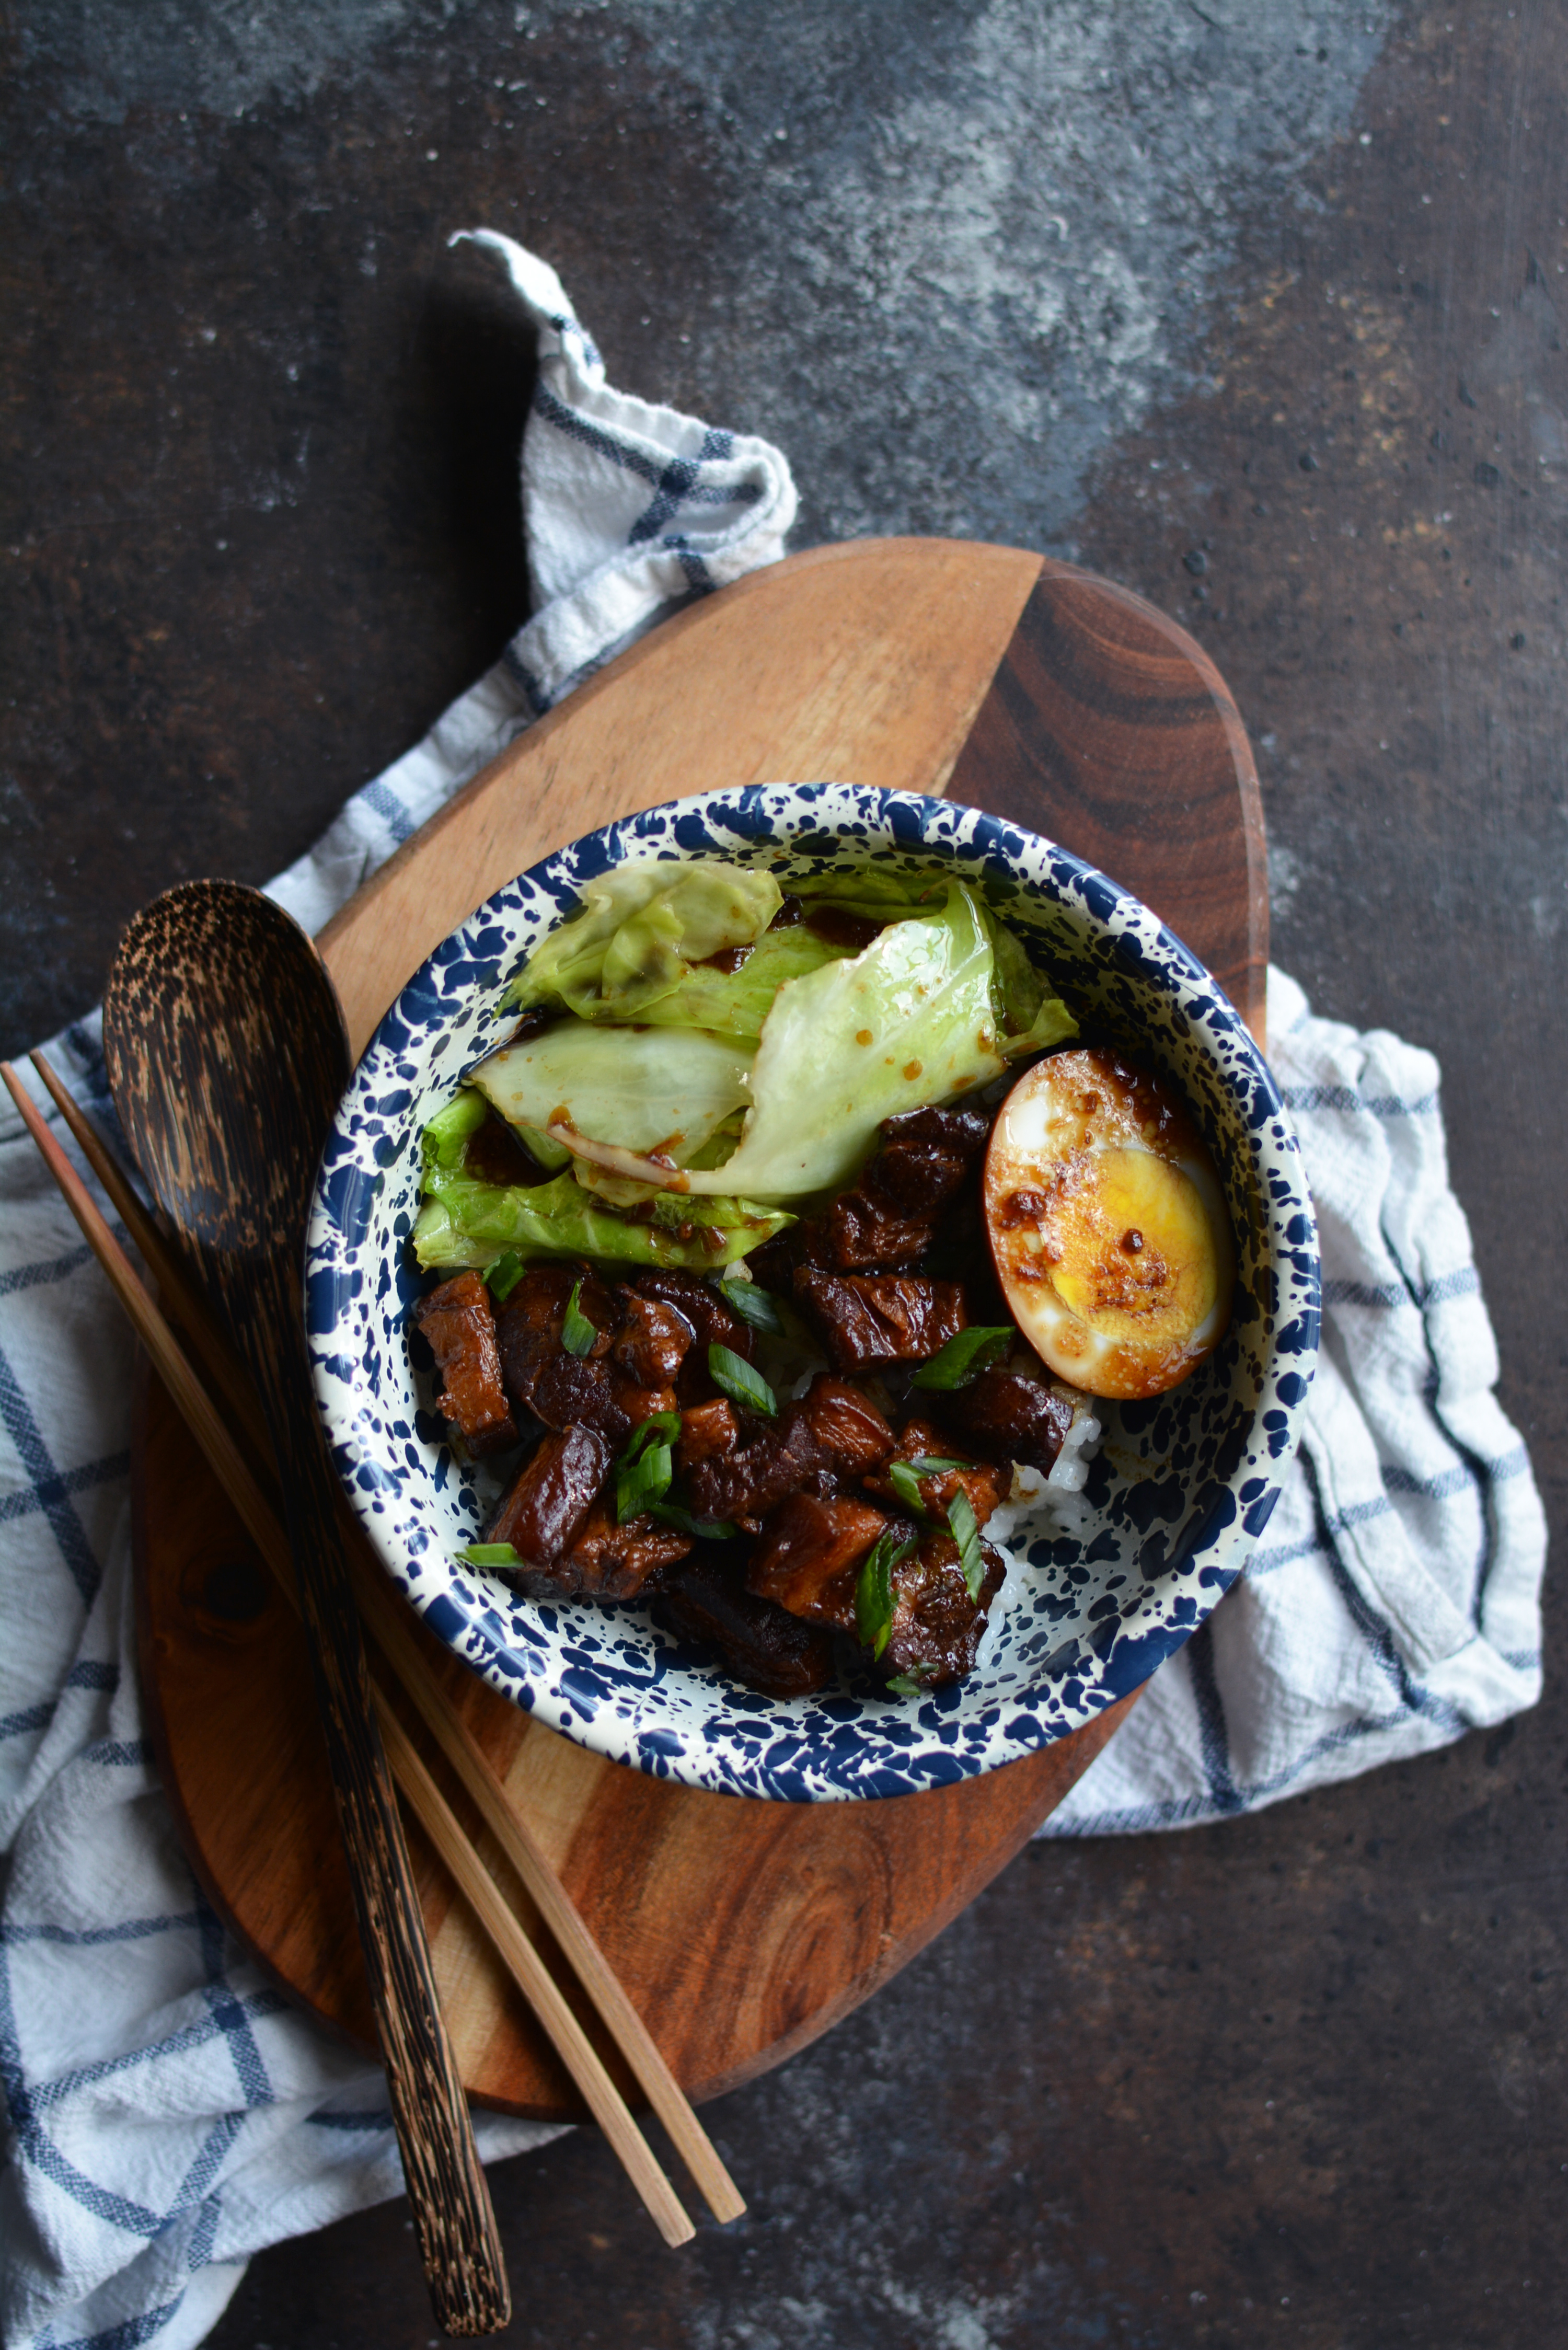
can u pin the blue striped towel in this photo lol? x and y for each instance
(168, 2113)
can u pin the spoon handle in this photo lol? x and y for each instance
(459, 2243)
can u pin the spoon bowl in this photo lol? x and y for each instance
(226, 1056)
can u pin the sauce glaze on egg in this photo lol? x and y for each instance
(1108, 1225)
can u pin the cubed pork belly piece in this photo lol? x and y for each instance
(607, 1561)
(852, 1434)
(528, 1327)
(706, 1600)
(871, 1318)
(925, 1155)
(864, 1231)
(707, 1431)
(653, 1339)
(549, 1503)
(986, 1484)
(808, 1554)
(1005, 1416)
(459, 1322)
(699, 1304)
(937, 1627)
(712, 1322)
(753, 1479)
(572, 1391)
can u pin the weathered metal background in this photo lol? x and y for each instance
(1256, 307)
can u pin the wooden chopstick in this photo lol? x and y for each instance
(518, 1844)
(228, 1464)
(394, 1635)
(210, 1432)
(385, 1616)
(386, 1620)
(180, 1294)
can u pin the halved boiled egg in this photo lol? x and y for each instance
(1108, 1225)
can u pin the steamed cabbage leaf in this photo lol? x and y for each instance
(467, 1223)
(642, 928)
(640, 1088)
(909, 1022)
(736, 1003)
(1029, 1017)
(446, 1138)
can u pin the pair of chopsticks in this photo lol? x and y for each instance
(400, 1662)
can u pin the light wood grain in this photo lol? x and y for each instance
(740, 1930)
(863, 663)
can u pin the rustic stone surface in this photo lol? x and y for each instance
(1302, 2075)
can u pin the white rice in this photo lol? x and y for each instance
(1041, 1505)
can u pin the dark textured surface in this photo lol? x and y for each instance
(1298, 2079)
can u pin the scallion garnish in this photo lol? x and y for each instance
(577, 1333)
(503, 1278)
(966, 1534)
(963, 1358)
(907, 1485)
(489, 1555)
(752, 1304)
(645, 1466)
(704, 1529)
(904, 1476)
(646, 1482)
(734, 1376)
(874, 1589)
(910, 1684)
(664, 1425)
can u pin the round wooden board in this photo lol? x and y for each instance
(740, 1930)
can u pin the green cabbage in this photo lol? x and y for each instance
(642, 927)
(445, 1138)
(1029, 1017)
(736, 1003)
(467, 1223)
(909, 1022)
(640, 1089)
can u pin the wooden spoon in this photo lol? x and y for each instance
(227, 1057)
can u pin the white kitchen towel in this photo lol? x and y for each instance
(167, 2112)
(1394, 1601)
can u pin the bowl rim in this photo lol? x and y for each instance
(466, 1621)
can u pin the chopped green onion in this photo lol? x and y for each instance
(503, 1278)
(664, 1425)
(966, 1534)
(963, 1358)
(874, 1589)
(912, 1684)
(734, 1376)
(752, 1304)
(577, 1333)
(645, 1466)
(907, 1485)
(647, 1481)
(904, 1476)
(489, 1555)
(705, 1529)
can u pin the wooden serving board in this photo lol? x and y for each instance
(740, 1930)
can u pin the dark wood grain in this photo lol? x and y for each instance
(1109, 730)
(741, 1930)
(227, 1057)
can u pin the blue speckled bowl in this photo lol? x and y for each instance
(1181, 1489)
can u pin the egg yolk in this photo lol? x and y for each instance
(1130, 1243)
